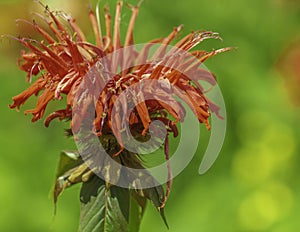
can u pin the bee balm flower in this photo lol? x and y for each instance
(62, 60)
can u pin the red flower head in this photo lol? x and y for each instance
(64, 57)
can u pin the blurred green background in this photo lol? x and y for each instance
(255, 183)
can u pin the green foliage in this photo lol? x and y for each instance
(103, 208)
(137, 209)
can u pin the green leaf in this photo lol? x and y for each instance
(163, 216)
(68, 160)
(103, 208)
(156, 196)
(137, 209)
(71, 170)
